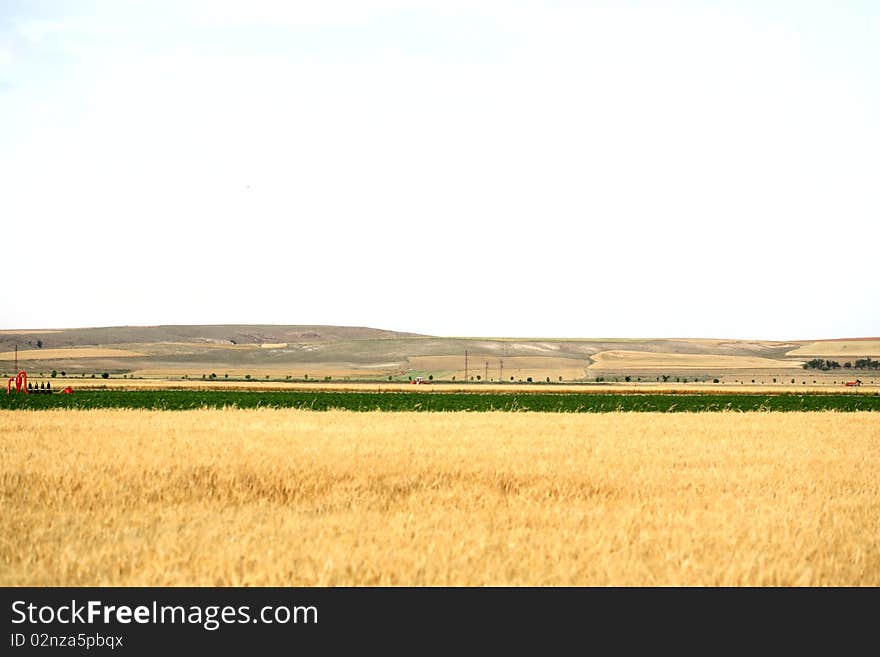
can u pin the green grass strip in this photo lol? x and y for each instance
(445, 401)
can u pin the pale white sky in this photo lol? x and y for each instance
(449, 167)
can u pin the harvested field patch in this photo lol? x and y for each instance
(519, 367)
(72, 352)
(28, 331)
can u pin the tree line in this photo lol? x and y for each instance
(826, 365)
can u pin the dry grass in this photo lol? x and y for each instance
(644, 360)
(842, 348)
(283, 497)
(72, 352)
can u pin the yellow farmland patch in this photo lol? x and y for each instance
(27, 331)
(634, 360)
(72, 352)
(841, 348)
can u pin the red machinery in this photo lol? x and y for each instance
(20, 383)
(857, 382)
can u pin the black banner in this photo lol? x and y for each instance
(414, 620)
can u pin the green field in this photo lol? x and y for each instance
(445, 401)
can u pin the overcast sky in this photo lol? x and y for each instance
(590, 169)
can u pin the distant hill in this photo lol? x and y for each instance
(196, 334)
(295, 352)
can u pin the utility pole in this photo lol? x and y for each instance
(486, 372)
(501, 370)
(16, 359)
(465, 366)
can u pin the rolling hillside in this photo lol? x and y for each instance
(358, 353)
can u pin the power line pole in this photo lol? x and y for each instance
(500, 370)
(16, 359)
(465, 366)
(486, 372)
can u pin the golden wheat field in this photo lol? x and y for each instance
(288, 497)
